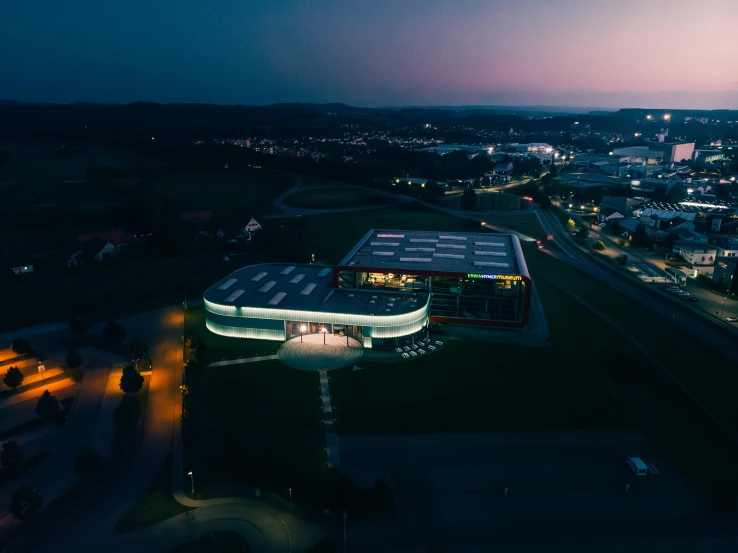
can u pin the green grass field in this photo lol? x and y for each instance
(155, 505)
(333, 197)
(219, 190)
(257, 423)
(476, 387)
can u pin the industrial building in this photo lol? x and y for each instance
(391, 285)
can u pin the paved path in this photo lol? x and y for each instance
(243, 360)
(331, 438)
(52, 387)
(102, 437)
(314, 352)
(54, 476)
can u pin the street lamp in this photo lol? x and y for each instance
(303, 328)
(323, 330)
(290, 490)
(192, 482)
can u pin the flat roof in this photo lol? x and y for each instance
(306, 288)
(437, 251)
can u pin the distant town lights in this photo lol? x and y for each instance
(667, 117)
(649, 117)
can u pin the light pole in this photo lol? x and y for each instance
(323, 330)
(192, 482)
(344, 531)
(290, 490)
(303, 328)
(722, 309)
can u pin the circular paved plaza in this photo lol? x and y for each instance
(311, 355)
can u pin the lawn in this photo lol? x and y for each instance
(257, 424)
(110, 289)
(527, 224)
(219, 190)
(155, 505)
(331, 236)
(477, 387)
(333, 197)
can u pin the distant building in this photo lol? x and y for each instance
(726, 247)
(535, 148)
(725, 273)
(21, 269)
(695, 253)
(680, 152)
(102, 245)
(640, 154)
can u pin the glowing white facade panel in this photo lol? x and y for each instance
(238, 332)
(383, 326)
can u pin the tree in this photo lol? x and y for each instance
(131, 380)
(88, 463)
(13, 377)
(582, 232)
(138, 348)
(113, 333)
(47, 405)
(598, 246)
(78, 322)
(21, 346)
(570, 224)
(432, 190)
(469, 199)
(640, 237)
(25, 502)
(74, 359)
(11, 453)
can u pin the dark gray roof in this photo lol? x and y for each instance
(306, 288)
(436, 251)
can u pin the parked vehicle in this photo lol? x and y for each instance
(732, 319)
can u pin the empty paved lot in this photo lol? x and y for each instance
(564, 488)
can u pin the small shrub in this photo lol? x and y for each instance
(47, 405)
(11, 453)
(13, 377)
(21, 346)
(598, 246)
(74, 359)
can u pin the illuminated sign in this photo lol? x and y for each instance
(494, 277)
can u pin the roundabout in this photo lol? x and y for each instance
(310, 353)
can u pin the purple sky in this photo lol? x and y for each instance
(618, 53)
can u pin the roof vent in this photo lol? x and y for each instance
(234, 296)
(228, 283)
(325, 272)
(287, 270)
(451, 237)
(297, 278)
(277, 298)
(257, 278)
(268, 286)
(390, 236)
(383, 253)
(309, 288)
(498, 254)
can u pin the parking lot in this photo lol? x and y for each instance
(562, 487)
(651, 273)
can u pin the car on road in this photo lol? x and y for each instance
(682, 294)
(732, 319)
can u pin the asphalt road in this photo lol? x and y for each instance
(663, 306)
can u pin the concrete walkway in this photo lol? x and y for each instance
(36, 392)
(331, 438)
(315, 352)
(102, 437)
(243, 360)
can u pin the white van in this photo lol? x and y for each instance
(637, 466)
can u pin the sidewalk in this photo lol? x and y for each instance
(36, 392)
(331, 438)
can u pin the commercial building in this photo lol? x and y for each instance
(391, 285)
(695, 253)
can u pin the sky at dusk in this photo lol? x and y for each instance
(593, 53)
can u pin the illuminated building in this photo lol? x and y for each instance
(391, 285)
